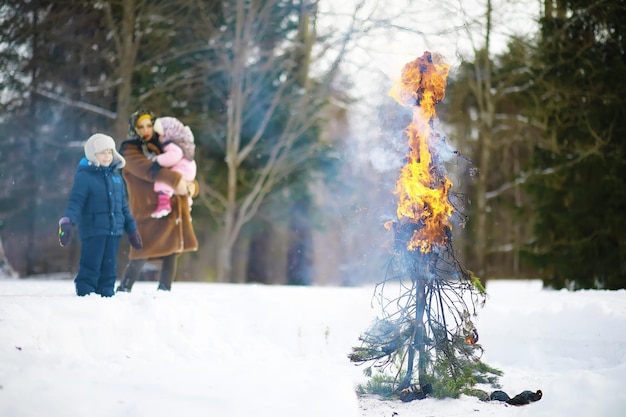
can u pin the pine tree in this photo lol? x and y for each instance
(580, 196)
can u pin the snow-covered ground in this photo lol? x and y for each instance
(237, 350)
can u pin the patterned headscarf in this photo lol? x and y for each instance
(172, 130)
(134, 118)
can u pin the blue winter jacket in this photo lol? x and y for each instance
(98, 203)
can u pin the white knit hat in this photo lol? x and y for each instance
(170, 129)
(99, 142)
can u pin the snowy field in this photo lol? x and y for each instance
(272, 351)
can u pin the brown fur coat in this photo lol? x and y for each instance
(170, 234)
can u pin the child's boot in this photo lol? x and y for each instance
(164, 208)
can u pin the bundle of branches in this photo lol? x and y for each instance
(427, 301)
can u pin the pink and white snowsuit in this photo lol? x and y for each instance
(174, 159)
(178, 155)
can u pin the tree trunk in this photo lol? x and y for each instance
(6, 271)
(224, 258)
(300, 252)
(258, 256)
(34, 147)
(481, 205)
(225, 253)
(486, 108)
(127, 53)
(235, 108)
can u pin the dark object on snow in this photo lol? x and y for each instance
(499, 396)
(414, 393)
(523, 398)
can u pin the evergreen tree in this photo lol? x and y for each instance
(47, 51)
(580, 195)
(509, 141)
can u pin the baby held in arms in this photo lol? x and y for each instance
(178, 155)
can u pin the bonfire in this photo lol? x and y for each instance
(425, 342)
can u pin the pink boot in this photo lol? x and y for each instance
(164, 208)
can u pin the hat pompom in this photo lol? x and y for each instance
(158, 127)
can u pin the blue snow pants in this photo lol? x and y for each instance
(97, 268)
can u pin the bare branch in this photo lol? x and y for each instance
(75, 103)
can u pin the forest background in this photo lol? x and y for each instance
(298, 143)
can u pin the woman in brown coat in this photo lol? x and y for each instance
(166, 237)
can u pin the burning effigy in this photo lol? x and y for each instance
(425, 342)
(423, 187)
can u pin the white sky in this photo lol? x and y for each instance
(235, 350)
(449, 27)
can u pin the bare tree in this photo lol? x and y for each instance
(486, 99)
(126, 34)
(253, 60)
(141, 36)
(153, 27)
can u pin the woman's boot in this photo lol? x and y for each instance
(133, 269)
(126, 285)
(168, 271)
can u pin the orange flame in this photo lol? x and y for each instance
(422, 189)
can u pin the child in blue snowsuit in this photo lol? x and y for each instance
(98, 205)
